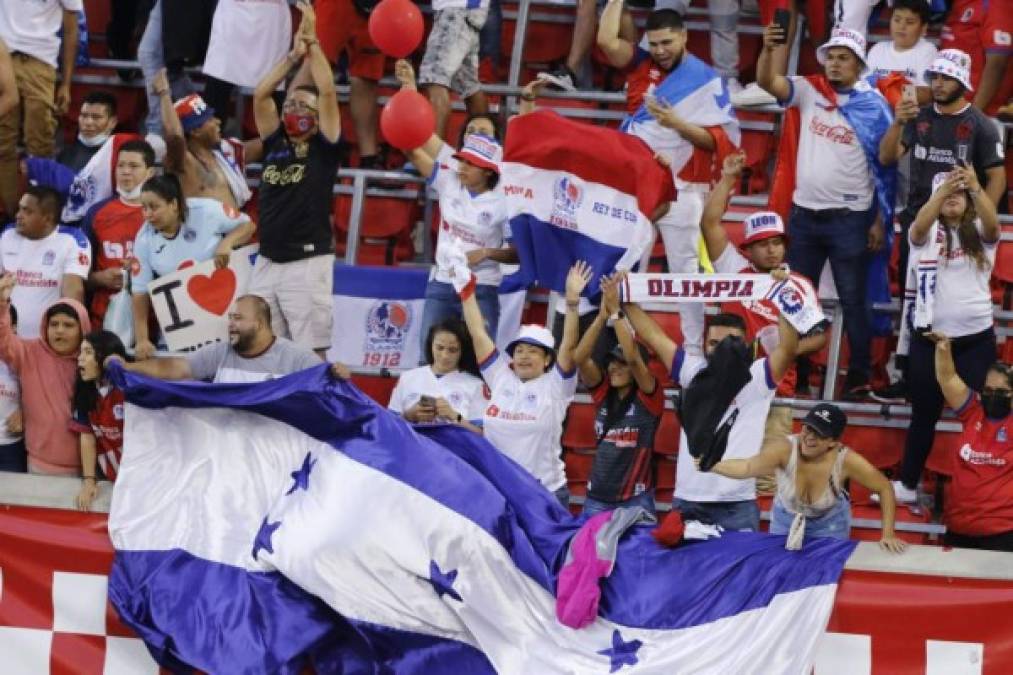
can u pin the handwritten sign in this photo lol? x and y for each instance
(192, 304)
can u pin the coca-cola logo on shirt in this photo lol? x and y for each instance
(836, 133)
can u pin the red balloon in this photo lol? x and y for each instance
(407, 121)
(396, 27)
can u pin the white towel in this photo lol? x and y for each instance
(920, 288)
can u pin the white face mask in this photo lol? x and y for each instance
(94, 140)
(130, 195)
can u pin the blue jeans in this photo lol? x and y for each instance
(834, 523)
(840, 235)
(151, 56)
(13, 457)
(442, 302)
(644, 499)
(729, 515)
(491, 36)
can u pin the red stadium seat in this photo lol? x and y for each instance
(666, 439)
(376, 387)
(578, 434)
(670, 322)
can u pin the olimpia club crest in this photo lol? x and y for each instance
(388, 324)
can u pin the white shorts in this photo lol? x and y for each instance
(299, 295)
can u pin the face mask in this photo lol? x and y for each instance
(130, 195)
(94, 141)
(996, 405)
(297, 124)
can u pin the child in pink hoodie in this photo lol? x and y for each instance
(47, 368)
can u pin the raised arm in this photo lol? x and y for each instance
(265, 112)
(859, 468)
(773, 456)
(651, 333)
(646, 381)
(891, 146)
(618, 51)
(786, 350)
(167, 368)
(955, 390)
(405, 74)
(576, 281)
(12, 349)
(8, 88)
(983, 204)
(929, 211)
(172, 129)
(323, 77)
(484, 345)
(767, 77)
(713, 231)
(529, 95)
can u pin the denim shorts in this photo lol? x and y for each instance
(644, 499)
(834, 523)
(743, 516)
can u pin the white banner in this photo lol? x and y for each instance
(192, 304)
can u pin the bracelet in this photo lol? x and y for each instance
(528, 97)
(572, 305)
(88, 477)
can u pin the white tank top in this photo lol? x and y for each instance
(787, 481)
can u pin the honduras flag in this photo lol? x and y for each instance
(698, 95)
(260, 528)
(578, 192)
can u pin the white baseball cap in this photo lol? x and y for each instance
(533, 334)
(763, 225)
(482, 151)
(843, 37)
(952, 63)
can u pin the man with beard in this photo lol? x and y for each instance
(762, 250)
(253, 353)
(738, 402)
(945, 134)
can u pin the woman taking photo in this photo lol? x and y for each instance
(177, 230)
(630, 402)
(528, 402)
(98, 413)
(812, 469)
(953, 239)
(448, 389)
(978, 503)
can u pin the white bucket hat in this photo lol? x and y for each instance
(842, 37)
(532, 334)
(952, 63)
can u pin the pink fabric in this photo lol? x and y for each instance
(578, 592)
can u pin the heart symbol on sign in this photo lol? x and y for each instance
(213, 293)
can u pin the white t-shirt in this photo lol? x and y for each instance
(39, 266)
(237, 25)
(524, 420)
(744, 439)
(10, 400)
(884, 59)
(31, 27)
(462, 391)
(477, 222)
(832, 170)
(963, 302)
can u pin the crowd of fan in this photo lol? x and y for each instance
(179, 195)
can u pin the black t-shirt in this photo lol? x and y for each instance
(935, 143)
(623, 466)
(296, 192)
(76, 155)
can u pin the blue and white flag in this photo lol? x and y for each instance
(698, 95)
(260, 528)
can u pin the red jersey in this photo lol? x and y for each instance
(106, 424)
(979, 498)
(111, 226)
(646, 74)
(980, 28)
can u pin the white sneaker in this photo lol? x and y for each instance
(752, 96)
(903, 494)
(734, 86)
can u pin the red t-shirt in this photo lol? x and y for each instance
(980, 28)
(106, 424)
(979, 498)
(111, 226)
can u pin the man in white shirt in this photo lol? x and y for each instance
(703, 496)
(252, 354)
(29, 29)
(834, 212)
(49, 261)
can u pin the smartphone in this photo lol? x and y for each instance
(782, 17)
(427, 401)
(909, 93)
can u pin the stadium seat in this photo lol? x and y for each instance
(670, 322)
(578, 433)
(377, 387)
(666, 439)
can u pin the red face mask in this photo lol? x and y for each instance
(297, 124)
